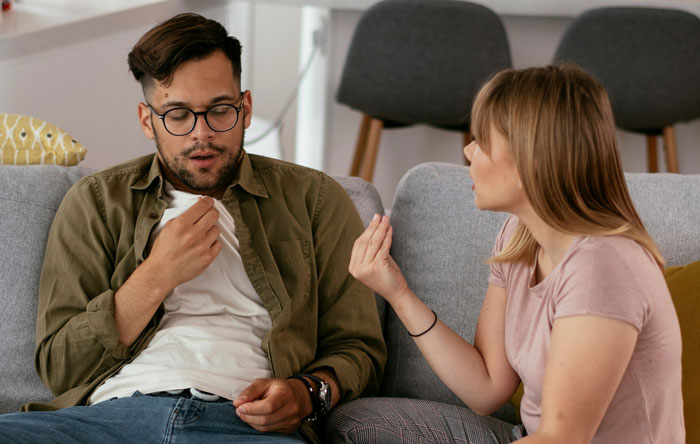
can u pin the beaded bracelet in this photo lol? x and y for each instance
(429, 328)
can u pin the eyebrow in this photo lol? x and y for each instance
(216, 99)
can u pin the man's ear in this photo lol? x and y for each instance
(145, 120)
(248, 107)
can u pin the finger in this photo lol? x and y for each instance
(212, 235)
(260, 407)
(268, 423)
(270, 415)
(360, 245)
(197, 210)
(254, 391)
(386, 244)
(364, 239)
(377, 240)
(208, 219)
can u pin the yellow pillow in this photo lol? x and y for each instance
(684, 284)
(28, 141)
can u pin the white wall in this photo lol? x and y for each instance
(275, 42)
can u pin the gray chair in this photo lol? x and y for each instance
(649, 62)
(417, 61)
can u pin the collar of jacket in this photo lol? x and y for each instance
(245, 176)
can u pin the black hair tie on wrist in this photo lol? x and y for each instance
(429, 328)
(314, 400)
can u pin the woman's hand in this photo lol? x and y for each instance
(372, 265)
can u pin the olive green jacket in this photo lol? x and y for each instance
(295, 227)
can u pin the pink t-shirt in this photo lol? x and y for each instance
(613, 277)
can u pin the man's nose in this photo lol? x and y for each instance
(201, 129)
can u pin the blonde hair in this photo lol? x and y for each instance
(561, 131)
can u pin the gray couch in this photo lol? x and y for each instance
(440, 241)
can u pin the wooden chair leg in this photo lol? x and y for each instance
(467, 139)
(670, 150)
(360, 146)
(373, 138)
(652, 159)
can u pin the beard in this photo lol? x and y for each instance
(203, 179)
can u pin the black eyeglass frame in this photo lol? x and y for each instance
(238, 109)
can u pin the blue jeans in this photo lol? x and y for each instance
(138, 419)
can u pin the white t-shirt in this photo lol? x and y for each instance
(211, 334)
(612, 277)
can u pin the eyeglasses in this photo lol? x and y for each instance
(181, 121)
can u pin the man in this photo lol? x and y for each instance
(199, 294)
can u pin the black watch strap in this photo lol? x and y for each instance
(312, 393)
(323, 395)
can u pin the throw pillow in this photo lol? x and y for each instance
(684, 284)
(26, 140)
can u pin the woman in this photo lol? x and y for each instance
(577, 307)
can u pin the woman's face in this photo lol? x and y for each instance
(497, 185)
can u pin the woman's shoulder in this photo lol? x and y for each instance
(604, 249)
(612, 258)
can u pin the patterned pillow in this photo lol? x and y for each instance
(28, 141)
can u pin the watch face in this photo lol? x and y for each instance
(324, 396)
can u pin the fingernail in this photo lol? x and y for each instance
(375, 218)
(240, 410)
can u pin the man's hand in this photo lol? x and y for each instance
(183, 249)
(186, 245)
(274, 405)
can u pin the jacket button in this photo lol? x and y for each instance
(242, 199)
(153, 215)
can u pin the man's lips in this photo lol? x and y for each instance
(203, 154)
(203, 159)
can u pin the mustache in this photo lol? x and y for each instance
(203, 146)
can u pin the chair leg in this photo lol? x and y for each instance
(360, 146)
(652, 159)
(373, 138)
(670, 150)
(467, 139)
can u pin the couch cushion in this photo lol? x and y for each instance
(441, 242)
(669, 205)
(368, 202)
(684, 284)
(29, 197)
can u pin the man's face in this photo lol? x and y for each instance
(203, 161)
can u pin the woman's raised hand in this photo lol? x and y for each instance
(372, 265)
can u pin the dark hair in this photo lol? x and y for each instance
(182, 38)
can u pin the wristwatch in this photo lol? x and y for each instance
(324, 397)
